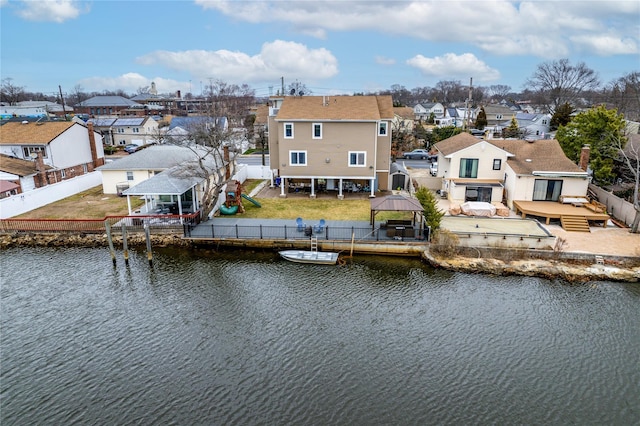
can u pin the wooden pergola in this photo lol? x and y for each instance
(395, 203)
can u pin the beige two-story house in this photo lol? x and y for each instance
(338, 144)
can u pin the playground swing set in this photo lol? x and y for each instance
(233, 201)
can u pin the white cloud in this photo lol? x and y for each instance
(384, 61)
(450, 65)
(49, 10)
(276, 59)
(544, 28)
(607, 45)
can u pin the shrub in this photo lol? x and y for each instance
(445, 243)
(429, 203)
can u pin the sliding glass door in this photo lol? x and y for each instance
(547, 190)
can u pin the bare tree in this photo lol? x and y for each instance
(624, 95)
(630, 154)
(77, 95)
(449, 91)
(499, 90)
(229, 100)
(213, 161)
(11, 93)
(560, 82)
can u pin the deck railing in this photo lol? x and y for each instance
(137, 223)
(287, 232)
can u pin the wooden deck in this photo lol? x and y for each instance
(554, 210)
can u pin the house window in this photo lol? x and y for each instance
(498, 116)
(63, 173)
(547, 190)
(32, 151)
(317, 131)
(298, 158)
(120, 130)
(136, 130)
(357, 158)
(544, 121)
(85, 169)
(469, 168)
(129, 175)
(482, 194)
(382, 128)
(288, 130)
(497, 164)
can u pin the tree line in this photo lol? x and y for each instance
(551, 85)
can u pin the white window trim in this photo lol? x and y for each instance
(313, 131)
(364, 161)
(386, 128)
(285, 131)
(298, 152)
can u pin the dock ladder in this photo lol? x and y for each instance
(314, 243)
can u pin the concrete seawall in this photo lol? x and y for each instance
(572, 268)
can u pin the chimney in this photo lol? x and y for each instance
(584, 158)
(42, 171)
(92, 144)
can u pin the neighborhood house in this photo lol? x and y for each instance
(340, 144)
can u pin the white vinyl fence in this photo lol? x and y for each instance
(36, 198)
(616, 206)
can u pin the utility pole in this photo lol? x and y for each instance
(467, 120)
(64, 110)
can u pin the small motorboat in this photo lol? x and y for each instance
(310, 256)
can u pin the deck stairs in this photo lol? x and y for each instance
(575, 223)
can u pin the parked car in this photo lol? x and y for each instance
(131, 148)
(477, 132)
(433, 168)
(421, 154)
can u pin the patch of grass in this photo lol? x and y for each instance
(249, 185)
(310, 209)
(93, 204)
(90, 204)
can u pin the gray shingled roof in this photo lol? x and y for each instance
(157, 157)
(165, 183)
(102, 101)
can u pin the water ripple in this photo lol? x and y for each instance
(226, 338)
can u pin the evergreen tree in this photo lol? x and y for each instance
(429, 203)
(562, 116)
(442, 133)
(603, 131)
(513, 131)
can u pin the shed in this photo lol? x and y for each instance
(400, 178)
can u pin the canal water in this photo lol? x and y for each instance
(249, 339)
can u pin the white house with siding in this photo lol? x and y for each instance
(497, 169)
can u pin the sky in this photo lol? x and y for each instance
(332, 47)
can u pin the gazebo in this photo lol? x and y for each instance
(396, 203)
(166, 193)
